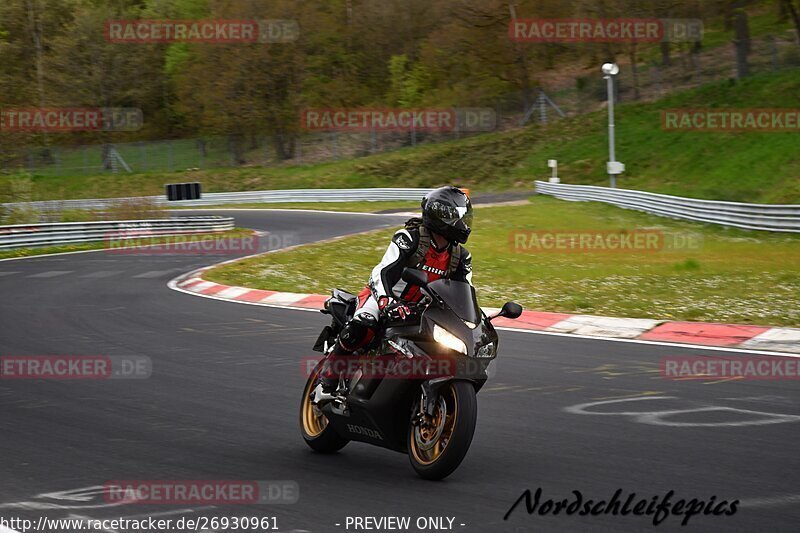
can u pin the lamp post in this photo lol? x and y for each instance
(613, 166)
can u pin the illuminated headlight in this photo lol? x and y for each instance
(487, 350)
(445, 338)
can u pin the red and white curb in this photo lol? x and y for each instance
(781, 341)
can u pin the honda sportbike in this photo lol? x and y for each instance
(414, 388)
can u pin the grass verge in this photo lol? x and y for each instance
(726, 275)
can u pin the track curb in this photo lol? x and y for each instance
(701, 334)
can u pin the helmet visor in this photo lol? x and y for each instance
(450, 215)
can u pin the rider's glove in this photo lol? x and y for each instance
(384, 302)
(398, 311)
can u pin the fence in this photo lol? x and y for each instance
(214, 152)
(22, 235)
(783, 218)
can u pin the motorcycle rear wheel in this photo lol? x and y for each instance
(436, 451)
(314, 427)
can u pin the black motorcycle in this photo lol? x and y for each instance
(422, 399)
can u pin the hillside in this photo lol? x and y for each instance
(758, 167)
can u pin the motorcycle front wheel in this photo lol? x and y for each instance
(436, 449)
(314, 426)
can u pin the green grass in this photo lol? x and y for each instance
(733, 277)
(759, 167)
(101, 245)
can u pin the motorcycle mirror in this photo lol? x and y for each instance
(510, 310)
(414, 276)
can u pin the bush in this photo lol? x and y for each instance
(20, 215)
(17, 189)
(77, 215)
(134, 209)
(790, 56)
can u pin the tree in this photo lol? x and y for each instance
(789, 7)
(741, 42)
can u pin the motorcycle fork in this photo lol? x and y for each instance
(429, 397)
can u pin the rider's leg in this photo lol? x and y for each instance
(356, 334)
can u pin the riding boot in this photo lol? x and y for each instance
(327, 377)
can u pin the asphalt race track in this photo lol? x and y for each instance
(222, 403)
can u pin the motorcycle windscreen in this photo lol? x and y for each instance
(458, 296)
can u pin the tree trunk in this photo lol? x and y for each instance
(36, 34)
(730, 13)
(783, 11)
(284, 146)
(634, 70)
(519, 59)
(795, 12)
(741, 43)
(236, 148)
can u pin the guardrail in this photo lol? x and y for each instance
(763, 217)
(23, 235)
(245, 197)
(306, 195)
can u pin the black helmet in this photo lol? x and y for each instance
(448, 212)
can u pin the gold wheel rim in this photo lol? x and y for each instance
(428, 444)
(314, 421)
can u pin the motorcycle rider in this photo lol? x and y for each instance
(433, 244)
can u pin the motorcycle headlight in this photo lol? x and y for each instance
(445, 338)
